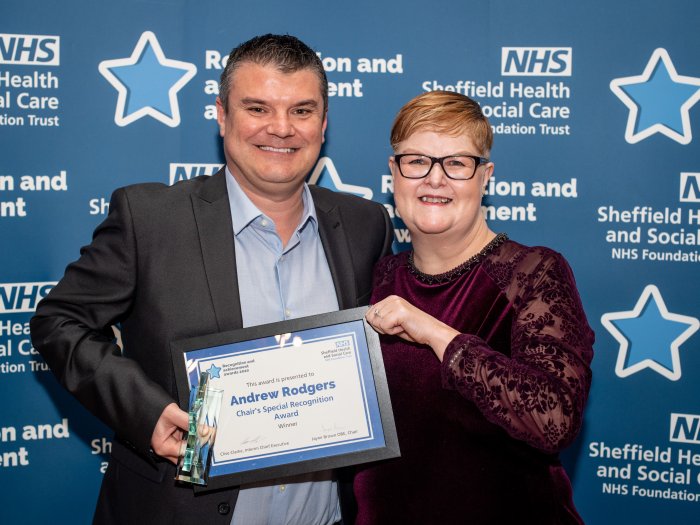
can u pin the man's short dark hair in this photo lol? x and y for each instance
(285, 52)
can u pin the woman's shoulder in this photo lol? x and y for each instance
(515, 261)
(516, 253)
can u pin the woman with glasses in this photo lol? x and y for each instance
(485, 343)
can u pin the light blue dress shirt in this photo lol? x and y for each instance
(276, 283)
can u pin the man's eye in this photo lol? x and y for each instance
(256, 109)
(302, 111)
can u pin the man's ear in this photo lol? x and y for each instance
(220, 116)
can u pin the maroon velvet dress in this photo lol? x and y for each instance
(480, 432)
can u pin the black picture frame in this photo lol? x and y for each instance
(191, 354)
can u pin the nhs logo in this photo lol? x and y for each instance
(685, 428)
(690, 187)
(30, 50)
(181, 171)
(22, 297)
(536, 61)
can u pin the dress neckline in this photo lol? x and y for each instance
(463, 268)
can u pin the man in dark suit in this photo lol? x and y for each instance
(248, 245)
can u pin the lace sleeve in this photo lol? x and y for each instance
(537, 394)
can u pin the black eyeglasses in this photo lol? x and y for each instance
(456, 167)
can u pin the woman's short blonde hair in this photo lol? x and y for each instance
(444, 112)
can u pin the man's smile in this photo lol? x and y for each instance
(278, 150)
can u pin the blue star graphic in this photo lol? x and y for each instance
(649, 336)
(333, 182)
(214, 371)
(147, 83)
(659, 100)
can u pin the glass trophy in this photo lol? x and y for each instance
(205, 403)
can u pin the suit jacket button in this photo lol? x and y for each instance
(224, 508)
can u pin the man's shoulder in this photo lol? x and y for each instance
(159, 192)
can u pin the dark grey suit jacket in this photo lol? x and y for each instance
(163, 265)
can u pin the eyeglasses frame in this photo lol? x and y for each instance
(439, 160)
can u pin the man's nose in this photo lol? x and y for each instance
(280, 125)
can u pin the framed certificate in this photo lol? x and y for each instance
(299, 396)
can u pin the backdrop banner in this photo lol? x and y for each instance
(594, 108)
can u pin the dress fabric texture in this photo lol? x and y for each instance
(480, 432)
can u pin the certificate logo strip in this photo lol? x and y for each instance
(193, 363)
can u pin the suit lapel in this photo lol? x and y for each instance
(337, 250)
(213, 217)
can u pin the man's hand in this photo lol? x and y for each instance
(169, 431)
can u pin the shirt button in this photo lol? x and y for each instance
(224, 508)
(263, 222)
(283, 488)
(287, 313)
(281, 258)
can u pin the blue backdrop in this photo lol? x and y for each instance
(596, 153)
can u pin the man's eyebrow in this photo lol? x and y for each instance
(253, 101)
(309, 102)
(257, 101)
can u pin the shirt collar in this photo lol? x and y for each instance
(244, 212)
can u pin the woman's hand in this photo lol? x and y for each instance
(396, 316)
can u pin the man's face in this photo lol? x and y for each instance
(273, 129)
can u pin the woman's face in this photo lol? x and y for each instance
(437, 204)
